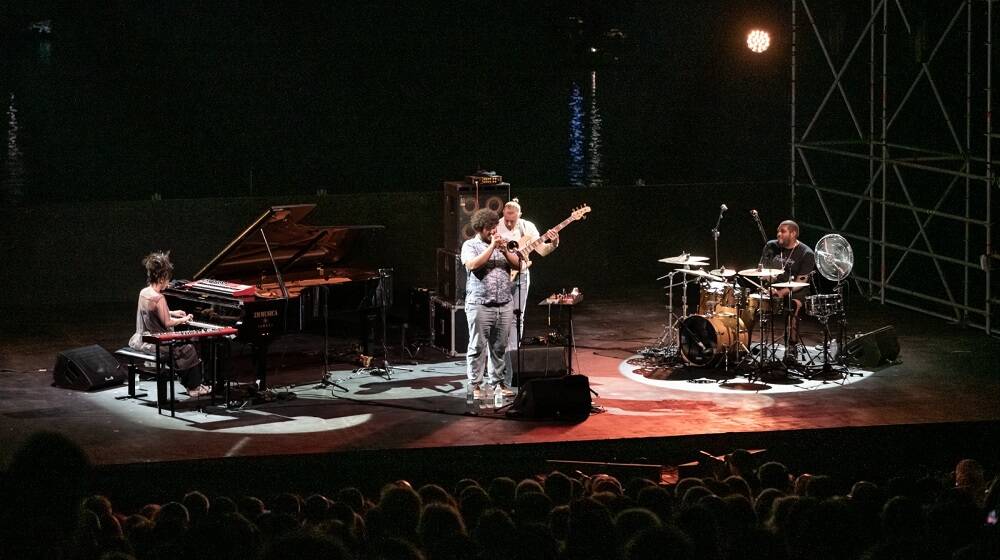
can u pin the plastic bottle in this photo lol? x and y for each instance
(497, 397)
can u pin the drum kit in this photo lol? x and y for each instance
(736, 312)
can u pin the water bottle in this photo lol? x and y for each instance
(497, 397)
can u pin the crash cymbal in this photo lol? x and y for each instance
(790, 285)
(724, 272)
(700, 273)
(685, 258)
(761, 272)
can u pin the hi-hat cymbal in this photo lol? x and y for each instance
(761, 272)
(700, 273)
(790, 285)
(685, 258)
(724, 272)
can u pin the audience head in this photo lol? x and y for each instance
(774, 475)
(501, 492)
(559, 488)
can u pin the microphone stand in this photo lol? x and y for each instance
(516, 374)
(715, 234)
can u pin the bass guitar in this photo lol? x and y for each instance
(526, 245)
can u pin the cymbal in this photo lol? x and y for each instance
(685, 258)
(724, 272)
(700, 273)
(792, 284)
(762, 272)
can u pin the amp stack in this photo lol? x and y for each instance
(461, 199)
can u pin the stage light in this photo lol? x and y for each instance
(758, 40)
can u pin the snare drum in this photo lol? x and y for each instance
(824, 305)
(703, 340)
(765, 304)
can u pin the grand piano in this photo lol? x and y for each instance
(279, 276)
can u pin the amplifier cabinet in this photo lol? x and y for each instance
(451, 327)
(419, 310)
(451, 277)
(461, 200)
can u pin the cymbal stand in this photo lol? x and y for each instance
(670, 338)
(668, 345)
(769, 355)
(754, 364)
(739, 302)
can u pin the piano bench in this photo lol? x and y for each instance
(146, 363)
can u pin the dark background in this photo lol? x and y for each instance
(191, 99)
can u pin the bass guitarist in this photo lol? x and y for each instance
(515, 228)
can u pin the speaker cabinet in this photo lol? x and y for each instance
(451, 277)
(419, 310)
(451, 327)
(538, 361)
(560, 398)
(873, 348)
(87, 368)
(461, 200)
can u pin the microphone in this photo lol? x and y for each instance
(760, 227)
(723, 208)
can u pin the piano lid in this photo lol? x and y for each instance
(294, 245)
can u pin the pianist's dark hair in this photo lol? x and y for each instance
(158, 266)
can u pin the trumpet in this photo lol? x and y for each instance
(512, 245)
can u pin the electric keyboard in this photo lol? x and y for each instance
(222, 287)
(164, 337)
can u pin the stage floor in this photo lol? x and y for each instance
(946, 374)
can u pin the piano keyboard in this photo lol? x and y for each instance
(222, 287)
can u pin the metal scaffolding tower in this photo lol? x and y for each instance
(911, 184)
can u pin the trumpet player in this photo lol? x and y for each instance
(488, 303)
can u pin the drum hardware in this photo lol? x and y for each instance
(665, 349)
(763, 364)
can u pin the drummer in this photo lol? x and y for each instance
(798, 261)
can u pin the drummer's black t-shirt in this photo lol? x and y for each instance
(796, 262)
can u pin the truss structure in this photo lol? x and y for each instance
(910, 184)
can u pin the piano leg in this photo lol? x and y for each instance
(260, 362)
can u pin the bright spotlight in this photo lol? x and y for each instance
(758, 40)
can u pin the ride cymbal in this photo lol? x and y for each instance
(762, 272)
(685, 258)
(792, 284)
(724, 272)
(700, 273)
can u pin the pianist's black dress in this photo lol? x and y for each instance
(147, 321)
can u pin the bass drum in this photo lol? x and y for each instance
(703, 340)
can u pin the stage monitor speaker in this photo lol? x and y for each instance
(87, 368)
(538, 361)
(873, 348)
(461, 200)
(556, 398)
